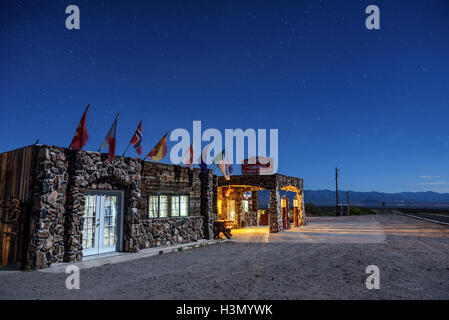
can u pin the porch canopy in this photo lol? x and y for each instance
(275, 182)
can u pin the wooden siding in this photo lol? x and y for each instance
(16, 182)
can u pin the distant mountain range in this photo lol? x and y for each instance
(327, 197)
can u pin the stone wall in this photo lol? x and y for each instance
(47, 228)
(165, 179)
(208, 208)
(157, 232)
(62, 178)
(249, 219)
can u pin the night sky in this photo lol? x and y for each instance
(375, 103)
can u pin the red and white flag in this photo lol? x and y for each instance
(81, 136)
(187, 159)
(136, 140)
(110, 139)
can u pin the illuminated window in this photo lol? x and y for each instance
(160, 206)
(163, 206)
(219, 207)
(175, 206)
(153, 206)
(231, 210)
(245, 205)
(184, 205)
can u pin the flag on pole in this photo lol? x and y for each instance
(187, 159)
(81, 136)
(203, 159)
(218, 158)
(136, 140)
(110, 139)
(223, 164)
(160, 150)
(229, 165)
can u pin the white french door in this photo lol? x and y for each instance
(102, 228)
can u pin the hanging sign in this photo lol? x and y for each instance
(257, 165)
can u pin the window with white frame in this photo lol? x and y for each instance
(162, 206)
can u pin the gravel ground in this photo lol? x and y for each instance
(413, 263)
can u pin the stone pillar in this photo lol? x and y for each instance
(275, 210)
(254, 208)
(302, 208)
(215, 194)
(207, 203)
(49, 193)
(239, 215)
(255, 199)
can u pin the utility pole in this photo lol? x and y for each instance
(347, 201)
(336, 191)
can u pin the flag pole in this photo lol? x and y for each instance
(126, 149)
(140, 123)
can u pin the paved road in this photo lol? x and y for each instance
(441, 217)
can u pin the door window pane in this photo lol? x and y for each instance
(110, 219)
(89, 222)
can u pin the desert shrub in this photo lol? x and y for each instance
(358, 211)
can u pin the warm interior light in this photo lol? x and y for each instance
(219, 208)
(295, 202)
(284, 202)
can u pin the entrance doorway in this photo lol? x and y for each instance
(103, 221)
(231, 210)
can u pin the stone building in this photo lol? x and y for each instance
(79, 203)
(231, 203)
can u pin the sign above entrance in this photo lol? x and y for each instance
(257, 165)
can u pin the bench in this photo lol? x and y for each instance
(220, 227)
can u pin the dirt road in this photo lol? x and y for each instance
(412, 255)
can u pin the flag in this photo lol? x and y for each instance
(110, 139)
(81, 136)
(160, 150)
(187, 159)
(224, 165)
(203, 160)
(136, 140)
(219, 157)
(229, 165)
